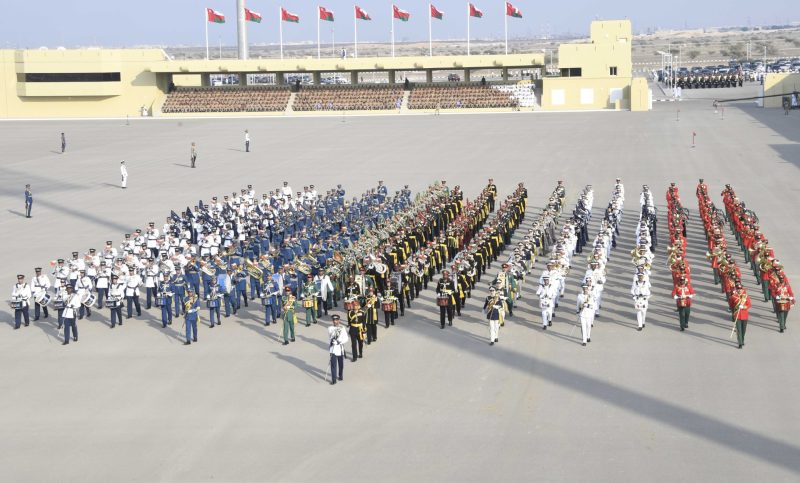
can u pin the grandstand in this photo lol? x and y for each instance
(462, 96)
(348, 98)
(227, 99)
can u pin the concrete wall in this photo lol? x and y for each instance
(579, 93)
(597, 87)
(779, 83)
(137, 86)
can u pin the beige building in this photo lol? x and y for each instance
(779, 85)
(88, 83)
(79, 83)
(598, 74)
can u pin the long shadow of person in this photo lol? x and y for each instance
(311, 371)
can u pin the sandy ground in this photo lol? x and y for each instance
(133, 404)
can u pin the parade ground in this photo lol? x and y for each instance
(424, 404)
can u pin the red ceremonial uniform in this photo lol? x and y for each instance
(683, 292)
(740, 304)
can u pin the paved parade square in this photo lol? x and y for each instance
(424, 404)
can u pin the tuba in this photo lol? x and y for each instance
(253, 269)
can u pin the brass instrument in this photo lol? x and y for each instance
(188, 304)
(739, 307)
(207, 269)
(253, 269)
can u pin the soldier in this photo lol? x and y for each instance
(310, 301)
(70, 312)
(289, 318)
(177, 284)
(494, 306)
(547, 293)
(740, 307)
(270, 290)
(191, 310)
(337, 338)
(641, 293)
(40, 284)
(389, 302)
(20, 297)
(371, 312)
(782, 298)
(445, 292)
(84, 286)
(116, 294)
(585, 311)
(213, 301)
(164, 301)
(355, 323)
(683, 294)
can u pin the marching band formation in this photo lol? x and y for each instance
(302, 253)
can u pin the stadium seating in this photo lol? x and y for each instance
(461, 96)
(347, 98)
(226, 99)
(523, 93)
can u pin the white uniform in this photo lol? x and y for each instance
(337, 336)
(123, 171)
(547, 296)
(40, 284)
(641, 293)
(21, 292)
(585, 309)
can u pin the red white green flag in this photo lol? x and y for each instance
(214, 16)
(362, 14)
(401, 15)
(474, 12)
(325, 14)
(436, 13)
(287, 16)
(252, 16)
(513, 11)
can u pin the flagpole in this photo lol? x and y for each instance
(280, 28)
(468, 15)
(355, 34)
(505, 16)
(430, 39)
(205, 18)
(319, 51)
(392, 30)
(333, 39)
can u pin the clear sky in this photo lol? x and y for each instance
(113, 23)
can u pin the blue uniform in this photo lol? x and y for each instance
(191, 322)
(272, 307)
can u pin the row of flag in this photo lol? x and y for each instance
(360, 14)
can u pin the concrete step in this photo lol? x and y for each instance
(404, 104)
(290, 104)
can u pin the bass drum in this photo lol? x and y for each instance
(88, 299)
(44, 299)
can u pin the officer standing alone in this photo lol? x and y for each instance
(338, 338)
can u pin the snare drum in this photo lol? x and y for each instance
(161, 301)
(350, 304)
(443, 300)
(44, 299)
(212, 303)
(308, 303)
(266, 301)
(16, 304)
(88, 299)
(112, 303)
(389, 305)
(59, 304)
